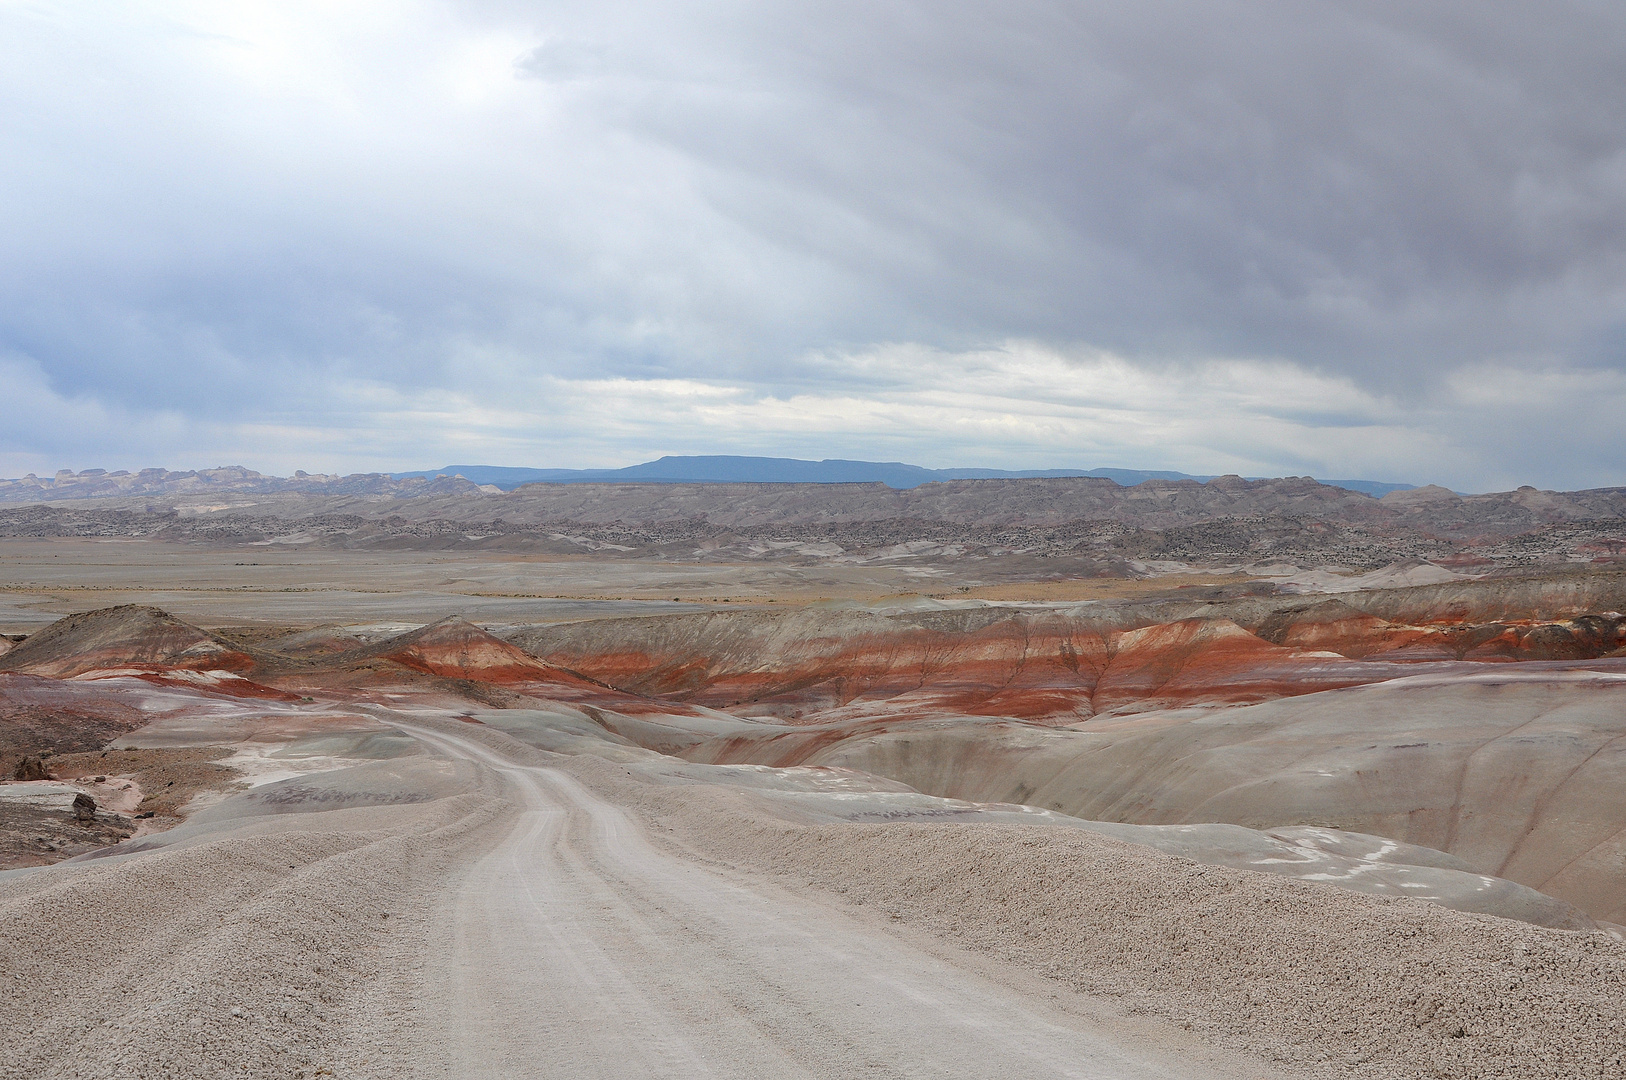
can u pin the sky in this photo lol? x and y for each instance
(1353, 240)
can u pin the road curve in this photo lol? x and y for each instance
(580, 949)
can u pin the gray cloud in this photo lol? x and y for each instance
(302, 218)
(1331, 180)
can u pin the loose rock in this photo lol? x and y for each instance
(30, 768)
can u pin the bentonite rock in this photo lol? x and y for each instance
(84, 807)
(30, 768)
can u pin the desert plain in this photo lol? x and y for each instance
(985, 779)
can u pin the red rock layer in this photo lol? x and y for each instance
(455, 649)
(1048, 668)
(123, 638)
(837, 665)
(1000, 668)
(211, 683)
(845, 666)
(1201, 661)
(1339, 628)
(39, 713)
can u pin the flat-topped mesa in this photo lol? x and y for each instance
(128, 637)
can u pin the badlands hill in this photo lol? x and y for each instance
(1308, 713)
(706, 469)
(1240, 815)
(1077, 526)
(1328, 780)
(127, 638)
(1156, 502)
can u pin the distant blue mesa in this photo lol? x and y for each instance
(725, 468)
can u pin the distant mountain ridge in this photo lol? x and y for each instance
(492, 479)
(727, 468)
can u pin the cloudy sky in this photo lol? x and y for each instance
(1362, 239)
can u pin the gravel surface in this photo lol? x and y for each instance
(1330, 982)
(290, 948)
(579, 948)
(565, 914)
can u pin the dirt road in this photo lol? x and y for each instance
(579, 948)
(494, 911)
(514, 924)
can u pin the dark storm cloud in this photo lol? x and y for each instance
(320, 217)
(1355, 183)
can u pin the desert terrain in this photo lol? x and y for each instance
(363, 777)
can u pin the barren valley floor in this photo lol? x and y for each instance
(451, 814)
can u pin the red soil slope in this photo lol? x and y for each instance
(455, 649)
(449, 649)
(37, 713)
(1037, 667)
(824, 664)
(123, 638)
(1447, 635)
